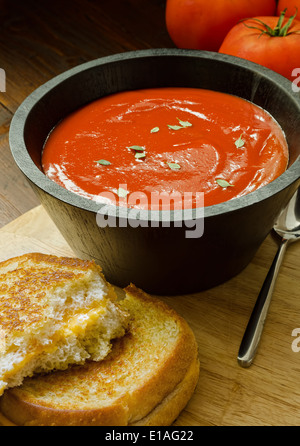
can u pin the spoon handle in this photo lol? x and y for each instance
(257, 319)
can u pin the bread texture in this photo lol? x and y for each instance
(54, 311)
(147, 379)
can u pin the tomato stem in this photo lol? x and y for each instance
(279, 30)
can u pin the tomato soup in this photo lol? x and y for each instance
(131, 145)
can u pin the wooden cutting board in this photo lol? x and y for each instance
(267, 393)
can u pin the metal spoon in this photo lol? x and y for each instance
(288, 228)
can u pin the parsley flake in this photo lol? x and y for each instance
(175, 127)
(239, 142)
(184, 123)
(174, 166)
(139, 155)
(223, 183)
(137, 148)
(103, 162)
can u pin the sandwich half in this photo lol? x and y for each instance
(54, 311)
(146, 380)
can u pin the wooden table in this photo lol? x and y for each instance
(40, 39)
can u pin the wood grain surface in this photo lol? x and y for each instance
(40, 39)
(266, 394)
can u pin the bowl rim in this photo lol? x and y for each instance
(33, 173)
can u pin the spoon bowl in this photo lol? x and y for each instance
(288, 223)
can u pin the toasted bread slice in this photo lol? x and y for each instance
(147, 379)
(54, 311)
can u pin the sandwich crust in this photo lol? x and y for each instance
(170, 407)
(147, 379)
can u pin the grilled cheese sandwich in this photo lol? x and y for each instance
(146, 380)
(54, 311)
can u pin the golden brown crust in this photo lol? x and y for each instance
(37, 257)
(22, 413)
(168, 410)
(124, 405)
(5, 421)
(25, 281)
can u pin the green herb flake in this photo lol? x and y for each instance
(184, 123)
(239, 142)
(154, 130)
(122, 193)
(103, 162)
(137, 148)
(175, 127)
(139, 155)
(174, 166)
(223, 183)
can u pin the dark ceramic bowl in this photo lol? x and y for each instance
(159, 257)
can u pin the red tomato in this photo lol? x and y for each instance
(203, 24)
(279, 53)
(291, 5)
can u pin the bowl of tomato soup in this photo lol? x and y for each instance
(167, 167)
